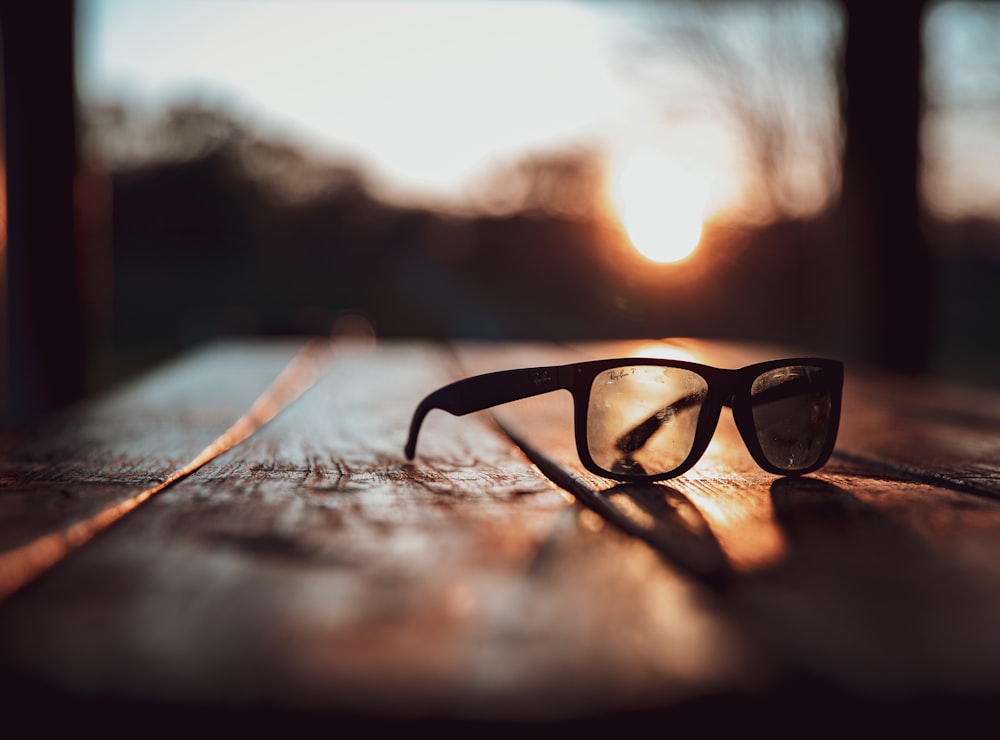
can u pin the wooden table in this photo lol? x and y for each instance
(238, 536)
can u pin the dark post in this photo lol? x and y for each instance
(46, 324)
(887, 278)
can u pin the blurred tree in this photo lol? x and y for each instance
(871, 286)
(763, 71)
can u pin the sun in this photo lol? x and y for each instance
(661, 202)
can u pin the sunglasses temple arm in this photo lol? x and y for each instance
(485, 391)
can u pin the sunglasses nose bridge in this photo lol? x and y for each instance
(727, 387)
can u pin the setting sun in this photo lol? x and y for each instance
(661, 203)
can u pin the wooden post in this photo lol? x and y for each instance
(885, 282)
(45, 302)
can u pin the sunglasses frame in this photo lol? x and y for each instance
(726, 387)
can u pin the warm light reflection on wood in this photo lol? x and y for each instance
(633, 511)
(590, 520)
(678, 638)
(741, 519)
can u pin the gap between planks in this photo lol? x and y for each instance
(24, 564)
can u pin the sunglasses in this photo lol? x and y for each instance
(646, 419)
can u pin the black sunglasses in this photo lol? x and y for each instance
(646, 419)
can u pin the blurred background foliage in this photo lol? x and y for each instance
(252, 236)
(860, 220)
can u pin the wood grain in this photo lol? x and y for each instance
(312, 569)
(877, 573)
(25, 561)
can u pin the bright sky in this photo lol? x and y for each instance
(428, 92)
(431, 95)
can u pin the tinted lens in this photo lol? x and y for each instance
(791, 412)
(642, 419)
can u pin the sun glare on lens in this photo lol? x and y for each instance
(661, 203)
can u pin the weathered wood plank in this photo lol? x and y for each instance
(936, 433)
(313, 567)
(865, 573)
(92, 466)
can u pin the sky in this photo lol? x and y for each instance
(427, 93)
(431, 95)
(961, 146)
(368, 78)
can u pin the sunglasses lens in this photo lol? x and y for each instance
(642, 419)
(791, 412)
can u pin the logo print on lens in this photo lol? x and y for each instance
(619, 374)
